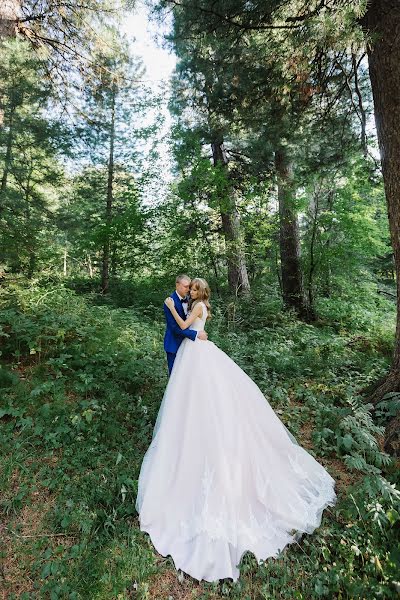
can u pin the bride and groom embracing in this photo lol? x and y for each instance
(222, 474)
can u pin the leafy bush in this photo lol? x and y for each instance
(81, 384)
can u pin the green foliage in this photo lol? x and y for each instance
(82, 374)
(86, 402)
(30, 145)
(83, 230)
(81, 384)
(346, 231)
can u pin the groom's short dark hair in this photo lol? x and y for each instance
(182, 276)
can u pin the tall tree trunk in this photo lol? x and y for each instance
(238, 279)
(32, 264)
(89, 266)
(327, 289)
(105, 274)
(8, 155)
(314, 209)
(28, 216)
(113, 262)
(383, 21)
(65, 263)
(289, 239)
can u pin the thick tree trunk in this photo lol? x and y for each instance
(289, 240)
(105, 274)
(238, 279)
(382, 20)
(9, 13)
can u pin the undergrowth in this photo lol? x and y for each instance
(81, 380)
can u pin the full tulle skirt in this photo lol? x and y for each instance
(222, 474)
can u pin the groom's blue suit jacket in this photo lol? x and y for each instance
(174, 335)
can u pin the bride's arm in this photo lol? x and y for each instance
(196, 312)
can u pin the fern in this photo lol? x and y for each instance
(357, 437)
(378, 486)
(388, 408)
(358, 462)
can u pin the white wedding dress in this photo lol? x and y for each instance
(222, 474)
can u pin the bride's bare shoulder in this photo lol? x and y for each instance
(198, 308)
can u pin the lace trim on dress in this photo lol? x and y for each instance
(309, 504)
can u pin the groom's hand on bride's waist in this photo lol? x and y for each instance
(202, 335)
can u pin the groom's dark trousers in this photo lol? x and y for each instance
(174, 335)
(170, 360)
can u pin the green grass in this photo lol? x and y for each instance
(81, 384)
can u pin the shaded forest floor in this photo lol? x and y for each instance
(81, 380)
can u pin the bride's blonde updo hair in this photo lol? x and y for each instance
(203, 288)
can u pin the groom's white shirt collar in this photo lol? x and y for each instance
(184, 306)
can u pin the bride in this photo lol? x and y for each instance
(222, 474)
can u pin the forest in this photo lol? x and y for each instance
(268, 164)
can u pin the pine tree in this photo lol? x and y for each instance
(112, 98)
(321, 28)
(30, 145)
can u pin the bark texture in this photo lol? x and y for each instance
(9, 13)
(8, 156)
(238, 279)
(289, 239)
(105, 272)
(382, 22)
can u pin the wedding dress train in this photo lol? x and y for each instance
(222, 474)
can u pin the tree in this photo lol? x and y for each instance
(9, 13)
(113, 99)
(196, 70)
(83, 227)
(62, 34)
(315, 25)
(242, 99)
(382, 21)
(238, 279)
(289, 239)
(31, 143)
(345, 233)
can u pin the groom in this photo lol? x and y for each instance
(174, 335)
